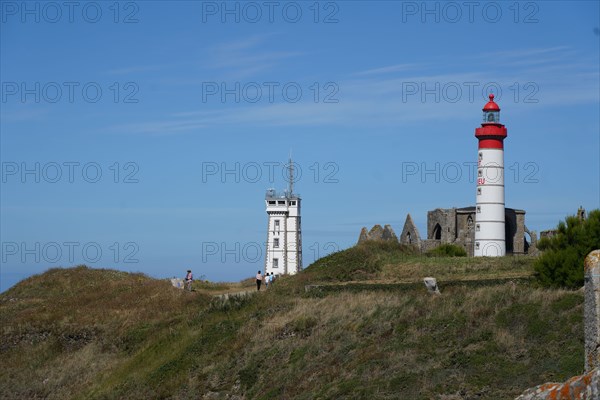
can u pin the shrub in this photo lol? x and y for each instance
(561, 263)
(447, 250)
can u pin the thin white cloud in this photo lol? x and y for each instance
(380, 96)
(245, 57)
(388, 69)
(500, 55)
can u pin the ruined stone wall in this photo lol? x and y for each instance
(429, 244)
(453, 226)
(549, 234)
(378, 233)
(446, 219)
(465, 230)
(410, 234)
(519, 236)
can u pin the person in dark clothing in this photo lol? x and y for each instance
(259, 280)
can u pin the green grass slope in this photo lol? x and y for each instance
(84, 333)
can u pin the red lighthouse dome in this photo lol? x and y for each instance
(491, 112)
(491, 105)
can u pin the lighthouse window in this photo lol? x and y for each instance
(276, 224)
(480, 156)
(477, 227)
(293, 203)
(271, 203)
(281, 202)
(480, 172)
(478, 191)
(478, 209)
(477, 245)
(276, 263)
(276, 243)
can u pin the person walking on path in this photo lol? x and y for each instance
(188, 280)
(259, 279)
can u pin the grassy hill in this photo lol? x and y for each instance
(371, 332)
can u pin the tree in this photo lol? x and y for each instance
(561, 263)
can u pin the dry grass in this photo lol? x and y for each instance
(414, 268)
(412, 345)
(216, 288)
(101, 334)
(59, 330)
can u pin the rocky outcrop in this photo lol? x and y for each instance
(583, 387)
(378, 233)
(177, 282)
(587, 386)
(591, 313)
(431, 285)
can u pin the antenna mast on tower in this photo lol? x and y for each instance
(291, 180)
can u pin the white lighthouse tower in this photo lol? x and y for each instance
(284, 232)
(489, 217)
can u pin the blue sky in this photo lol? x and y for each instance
(152, 129)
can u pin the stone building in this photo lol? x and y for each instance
(456, 226)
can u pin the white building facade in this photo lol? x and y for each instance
(284, 237)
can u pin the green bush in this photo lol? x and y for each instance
(447, 250)
(561, 263)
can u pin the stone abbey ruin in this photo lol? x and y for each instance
(457, 226)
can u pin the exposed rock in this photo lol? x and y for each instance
(587, 386)
(431, 284)
(591, 314)
(177, 282)
(583, 387)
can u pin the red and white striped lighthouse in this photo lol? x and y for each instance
(490, 237)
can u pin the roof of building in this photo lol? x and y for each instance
(491, 105)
